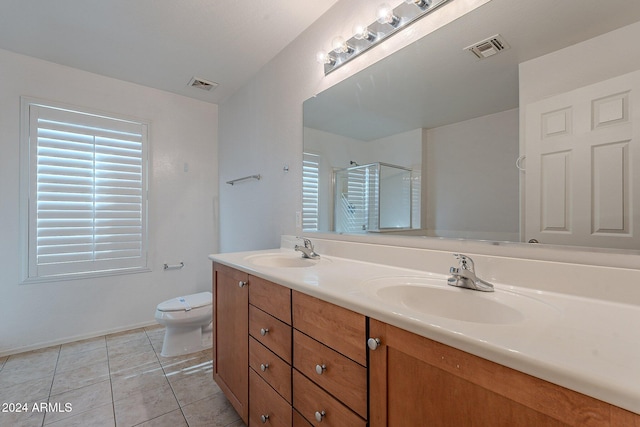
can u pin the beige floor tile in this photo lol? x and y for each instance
(102, 416)
(141, 360)
(125, 336)
(194, 387)
(44, 359)
(127, 347)
(172, 419)
(184, 368)
(9, 377)
(2, 360)
(214, 411)
(145, 405)
(72, 361)
(80, 377)
(36, 390)
(154, 328)
(81, 400)
(83, 345)
(21, 419)
(123, 386)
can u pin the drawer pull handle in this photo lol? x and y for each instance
(373, 343)
(242, 284)
(264, 331)
(320, 369)
(320, 415)
(264, 418)
(264, 367)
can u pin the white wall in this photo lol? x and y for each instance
(182, 211)
(261, 124)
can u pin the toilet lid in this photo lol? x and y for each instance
(186, 302)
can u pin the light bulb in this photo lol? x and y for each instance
(340, 46)
(361, 32)
(386, 16)
(324, 58)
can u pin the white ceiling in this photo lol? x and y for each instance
(159, 43)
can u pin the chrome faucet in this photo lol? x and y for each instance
(307, 249)
(464, 276)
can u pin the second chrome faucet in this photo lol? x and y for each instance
(307, 250)
(464, 276)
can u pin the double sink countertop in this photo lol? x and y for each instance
(584, 344)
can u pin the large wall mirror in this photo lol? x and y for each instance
(537, 142)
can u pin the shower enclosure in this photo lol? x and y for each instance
(372, 198)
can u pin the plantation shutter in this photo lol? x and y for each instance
(88, 193)
(310, 181)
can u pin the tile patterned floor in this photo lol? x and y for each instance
(114, 380)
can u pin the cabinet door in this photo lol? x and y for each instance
(231, 336)
(415, 381)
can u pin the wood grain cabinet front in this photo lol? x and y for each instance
(415, 381)
(330, 363)
(230, 330)
(271, 368)
(270, 348)
(266, 406)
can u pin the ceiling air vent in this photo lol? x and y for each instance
(202, 84)
(488, 47)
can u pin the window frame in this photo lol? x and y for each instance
(30, 271)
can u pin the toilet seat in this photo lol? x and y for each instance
(186, 303)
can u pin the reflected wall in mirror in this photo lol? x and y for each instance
(535, 142)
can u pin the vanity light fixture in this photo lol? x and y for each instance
(389, 21)
(422, 4)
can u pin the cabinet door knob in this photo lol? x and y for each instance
(264, 418)
(264, 367)
(242, 284)
(264, 331)
(373, 343)
(320, 369)
(320, 415)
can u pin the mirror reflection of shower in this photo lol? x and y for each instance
(372, 198)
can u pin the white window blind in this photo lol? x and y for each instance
(87, 201)
(310, 182)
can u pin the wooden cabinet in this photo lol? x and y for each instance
(415, 381)
(230, 336)
(284, 358)
(270, 355)
(329, 360)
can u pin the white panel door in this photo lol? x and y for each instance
(582, 166)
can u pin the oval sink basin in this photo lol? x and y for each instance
(281, 260)
(434, 297)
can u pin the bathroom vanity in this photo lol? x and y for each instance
(337, 342)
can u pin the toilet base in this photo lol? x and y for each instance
(179, 341)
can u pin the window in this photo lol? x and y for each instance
(86, 197)
(310, 181)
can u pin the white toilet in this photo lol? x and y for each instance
(187, 322)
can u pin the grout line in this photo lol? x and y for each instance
(53, 378)
(113, 403)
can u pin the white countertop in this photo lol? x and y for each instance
(587, 345)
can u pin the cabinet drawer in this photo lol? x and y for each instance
(310, 399)
(339, 328)
(341, 377)
(299, 421)
(264, 401)
(270, 297)
(271, 368)
(271, 332)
